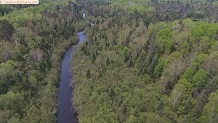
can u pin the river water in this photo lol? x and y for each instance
(66, 112)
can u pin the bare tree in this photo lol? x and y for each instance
(37, 54)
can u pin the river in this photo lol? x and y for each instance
(66, 112)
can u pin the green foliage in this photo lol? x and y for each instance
(88, 74)
(164, 39)
(210, 110)
(11, 101)
(189, 73)
(199, 78)
(197, 31)
(159, 67)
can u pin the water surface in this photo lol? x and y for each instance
(66, 112)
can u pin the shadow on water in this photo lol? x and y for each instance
(66, 112)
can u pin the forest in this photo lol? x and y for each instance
(144, 61)
(33, 39)
(148, 62)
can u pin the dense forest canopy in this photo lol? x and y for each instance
(148, 61)
(32, 41)
(143, 61)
